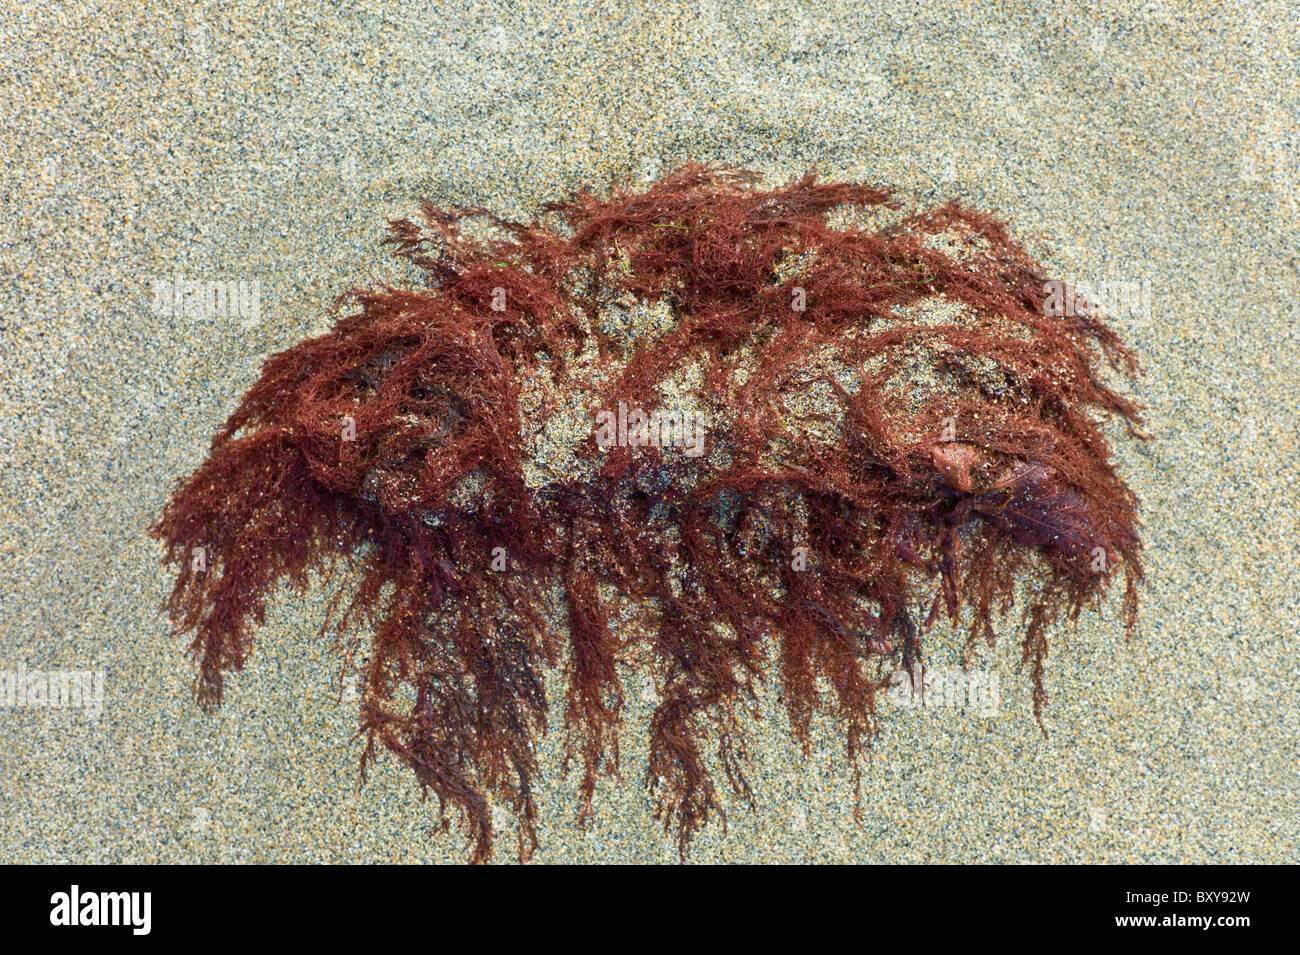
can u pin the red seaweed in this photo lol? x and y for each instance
(894, 429)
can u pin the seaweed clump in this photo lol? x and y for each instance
(894, 429)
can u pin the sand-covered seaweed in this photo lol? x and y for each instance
(817, 435)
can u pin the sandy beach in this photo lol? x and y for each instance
(1150, 143)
